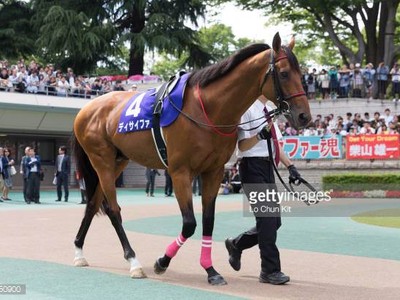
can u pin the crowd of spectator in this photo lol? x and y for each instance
(353, 81)
(329, 83)
(386, 123)
(36, 79)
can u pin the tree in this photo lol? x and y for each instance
(218, 40)
(161, 25)
(371, 24)
(71, 37)
(102, 27)
(16, 37)
(168, 65)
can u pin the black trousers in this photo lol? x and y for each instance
(33, 187)
(25, 188)
(257, 171)
(150, 183)
(197, 185)
(168, 185)
(62, 181)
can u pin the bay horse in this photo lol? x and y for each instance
(197, 142)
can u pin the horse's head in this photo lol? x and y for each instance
(282, 84)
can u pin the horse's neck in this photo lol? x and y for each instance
(229, 98)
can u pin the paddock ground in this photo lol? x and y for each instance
(326, 258)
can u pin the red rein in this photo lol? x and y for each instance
(209, 122)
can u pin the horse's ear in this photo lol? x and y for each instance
(276, 43)
(292, 42)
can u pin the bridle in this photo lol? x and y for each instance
(283, 106)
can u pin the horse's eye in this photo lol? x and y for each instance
(284, 74)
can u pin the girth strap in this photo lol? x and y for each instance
(156, 131)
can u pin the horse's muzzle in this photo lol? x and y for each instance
(304, 119)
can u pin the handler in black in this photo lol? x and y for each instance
(255, 168)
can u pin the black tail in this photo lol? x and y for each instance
(85, 168)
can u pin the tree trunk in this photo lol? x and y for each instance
(383, 18)
(136, 60)
(389, 31)
(136, 53)
(344, 50)
(371, 46)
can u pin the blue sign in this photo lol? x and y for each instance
(313, 147)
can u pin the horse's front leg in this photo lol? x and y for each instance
(211, 183)
(183, 192)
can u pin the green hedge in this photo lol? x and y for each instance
(361, 182)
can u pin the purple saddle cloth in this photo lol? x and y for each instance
(138, 112)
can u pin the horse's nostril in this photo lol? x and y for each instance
(303, 117)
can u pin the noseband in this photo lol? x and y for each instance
(283, 105)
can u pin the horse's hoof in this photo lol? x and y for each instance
(138, 273)
(80, 262)
(158, 269)
(216, 280)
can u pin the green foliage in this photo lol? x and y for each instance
(168, 65)
(159, 25)
(71, 39)
(217, 41)
(361, 182)
(16, 37)
(348, 26)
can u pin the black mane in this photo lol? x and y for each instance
(205, 76)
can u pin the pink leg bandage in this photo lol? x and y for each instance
(173, 248)
(205, 258)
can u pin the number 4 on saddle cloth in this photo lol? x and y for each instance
(139, 111)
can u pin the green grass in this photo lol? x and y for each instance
(382, 217)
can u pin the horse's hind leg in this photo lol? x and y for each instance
(112, 209)
(91, 208)
(103, 162)
(136, 270)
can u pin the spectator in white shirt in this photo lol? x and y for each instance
(62, 87)
(388, 117)
(33, 83)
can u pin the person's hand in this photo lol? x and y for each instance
(294, 175)
(264, 133)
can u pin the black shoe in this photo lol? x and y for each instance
(234, 254)
(1, 200)
(66, 200)
(58, 200)
(38, 202)
(28, 202)
(274, 278)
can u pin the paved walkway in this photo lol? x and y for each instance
(327, 258)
